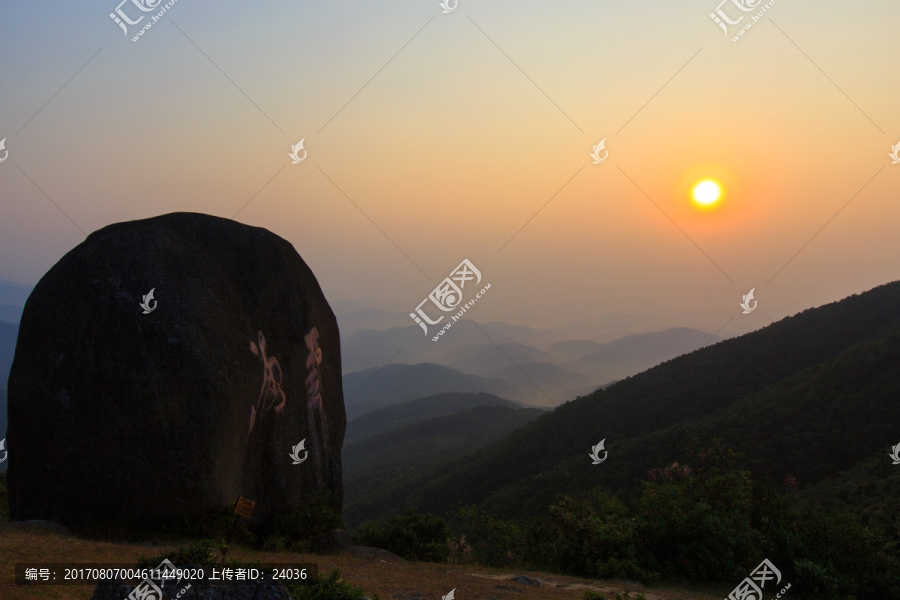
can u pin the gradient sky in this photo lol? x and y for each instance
(449, 132)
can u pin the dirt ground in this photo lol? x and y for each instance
(390, 579)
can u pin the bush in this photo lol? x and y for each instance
(708, 522)
(589, 531)
(495, 542)
(414, 536)
(698, 523)
(614, 568)
(811, 579)
(589, 595)
(329, 588)
(297, 528)
(836, 558)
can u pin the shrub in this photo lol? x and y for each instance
(698, 524)
(589, 531)
(329, 588)
(295, 529)
(274, 543)
(614, 568)
(813, 580)
(414, 536)
(495, 542)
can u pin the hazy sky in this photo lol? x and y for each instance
(436, 137)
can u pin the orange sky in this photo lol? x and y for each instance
(461, 138)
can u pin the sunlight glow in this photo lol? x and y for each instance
(707, 192)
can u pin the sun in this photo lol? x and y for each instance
(707, 192)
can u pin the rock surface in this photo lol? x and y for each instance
(125, 410)
(38, 526)
(375, 554)
(526, 580)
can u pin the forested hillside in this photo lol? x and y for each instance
(810, 396)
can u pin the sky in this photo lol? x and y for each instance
(434, 137)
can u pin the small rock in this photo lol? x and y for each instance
(526, 581)
(376, 554)
(37, 525)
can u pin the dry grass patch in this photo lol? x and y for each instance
(390, 580)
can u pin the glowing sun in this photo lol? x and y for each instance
(707, 192)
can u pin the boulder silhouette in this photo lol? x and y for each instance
(129, 408)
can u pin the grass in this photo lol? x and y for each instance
(387, 580)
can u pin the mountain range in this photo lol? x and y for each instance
(544, 373)
(811, 398)
(12, 301)
(392, 417)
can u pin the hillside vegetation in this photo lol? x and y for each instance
(717, 459)
(810, 396)
(388, 457)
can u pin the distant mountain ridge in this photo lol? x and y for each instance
(9, 332)
(13, 293)
(810, 396)
(375, 388)
(393, 417)
(514, 370)
(634, 353)
(407, 344)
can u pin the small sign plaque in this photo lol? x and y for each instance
(244, 507)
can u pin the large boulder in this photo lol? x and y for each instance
(126, 410)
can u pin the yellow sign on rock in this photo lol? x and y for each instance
(244, 507)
